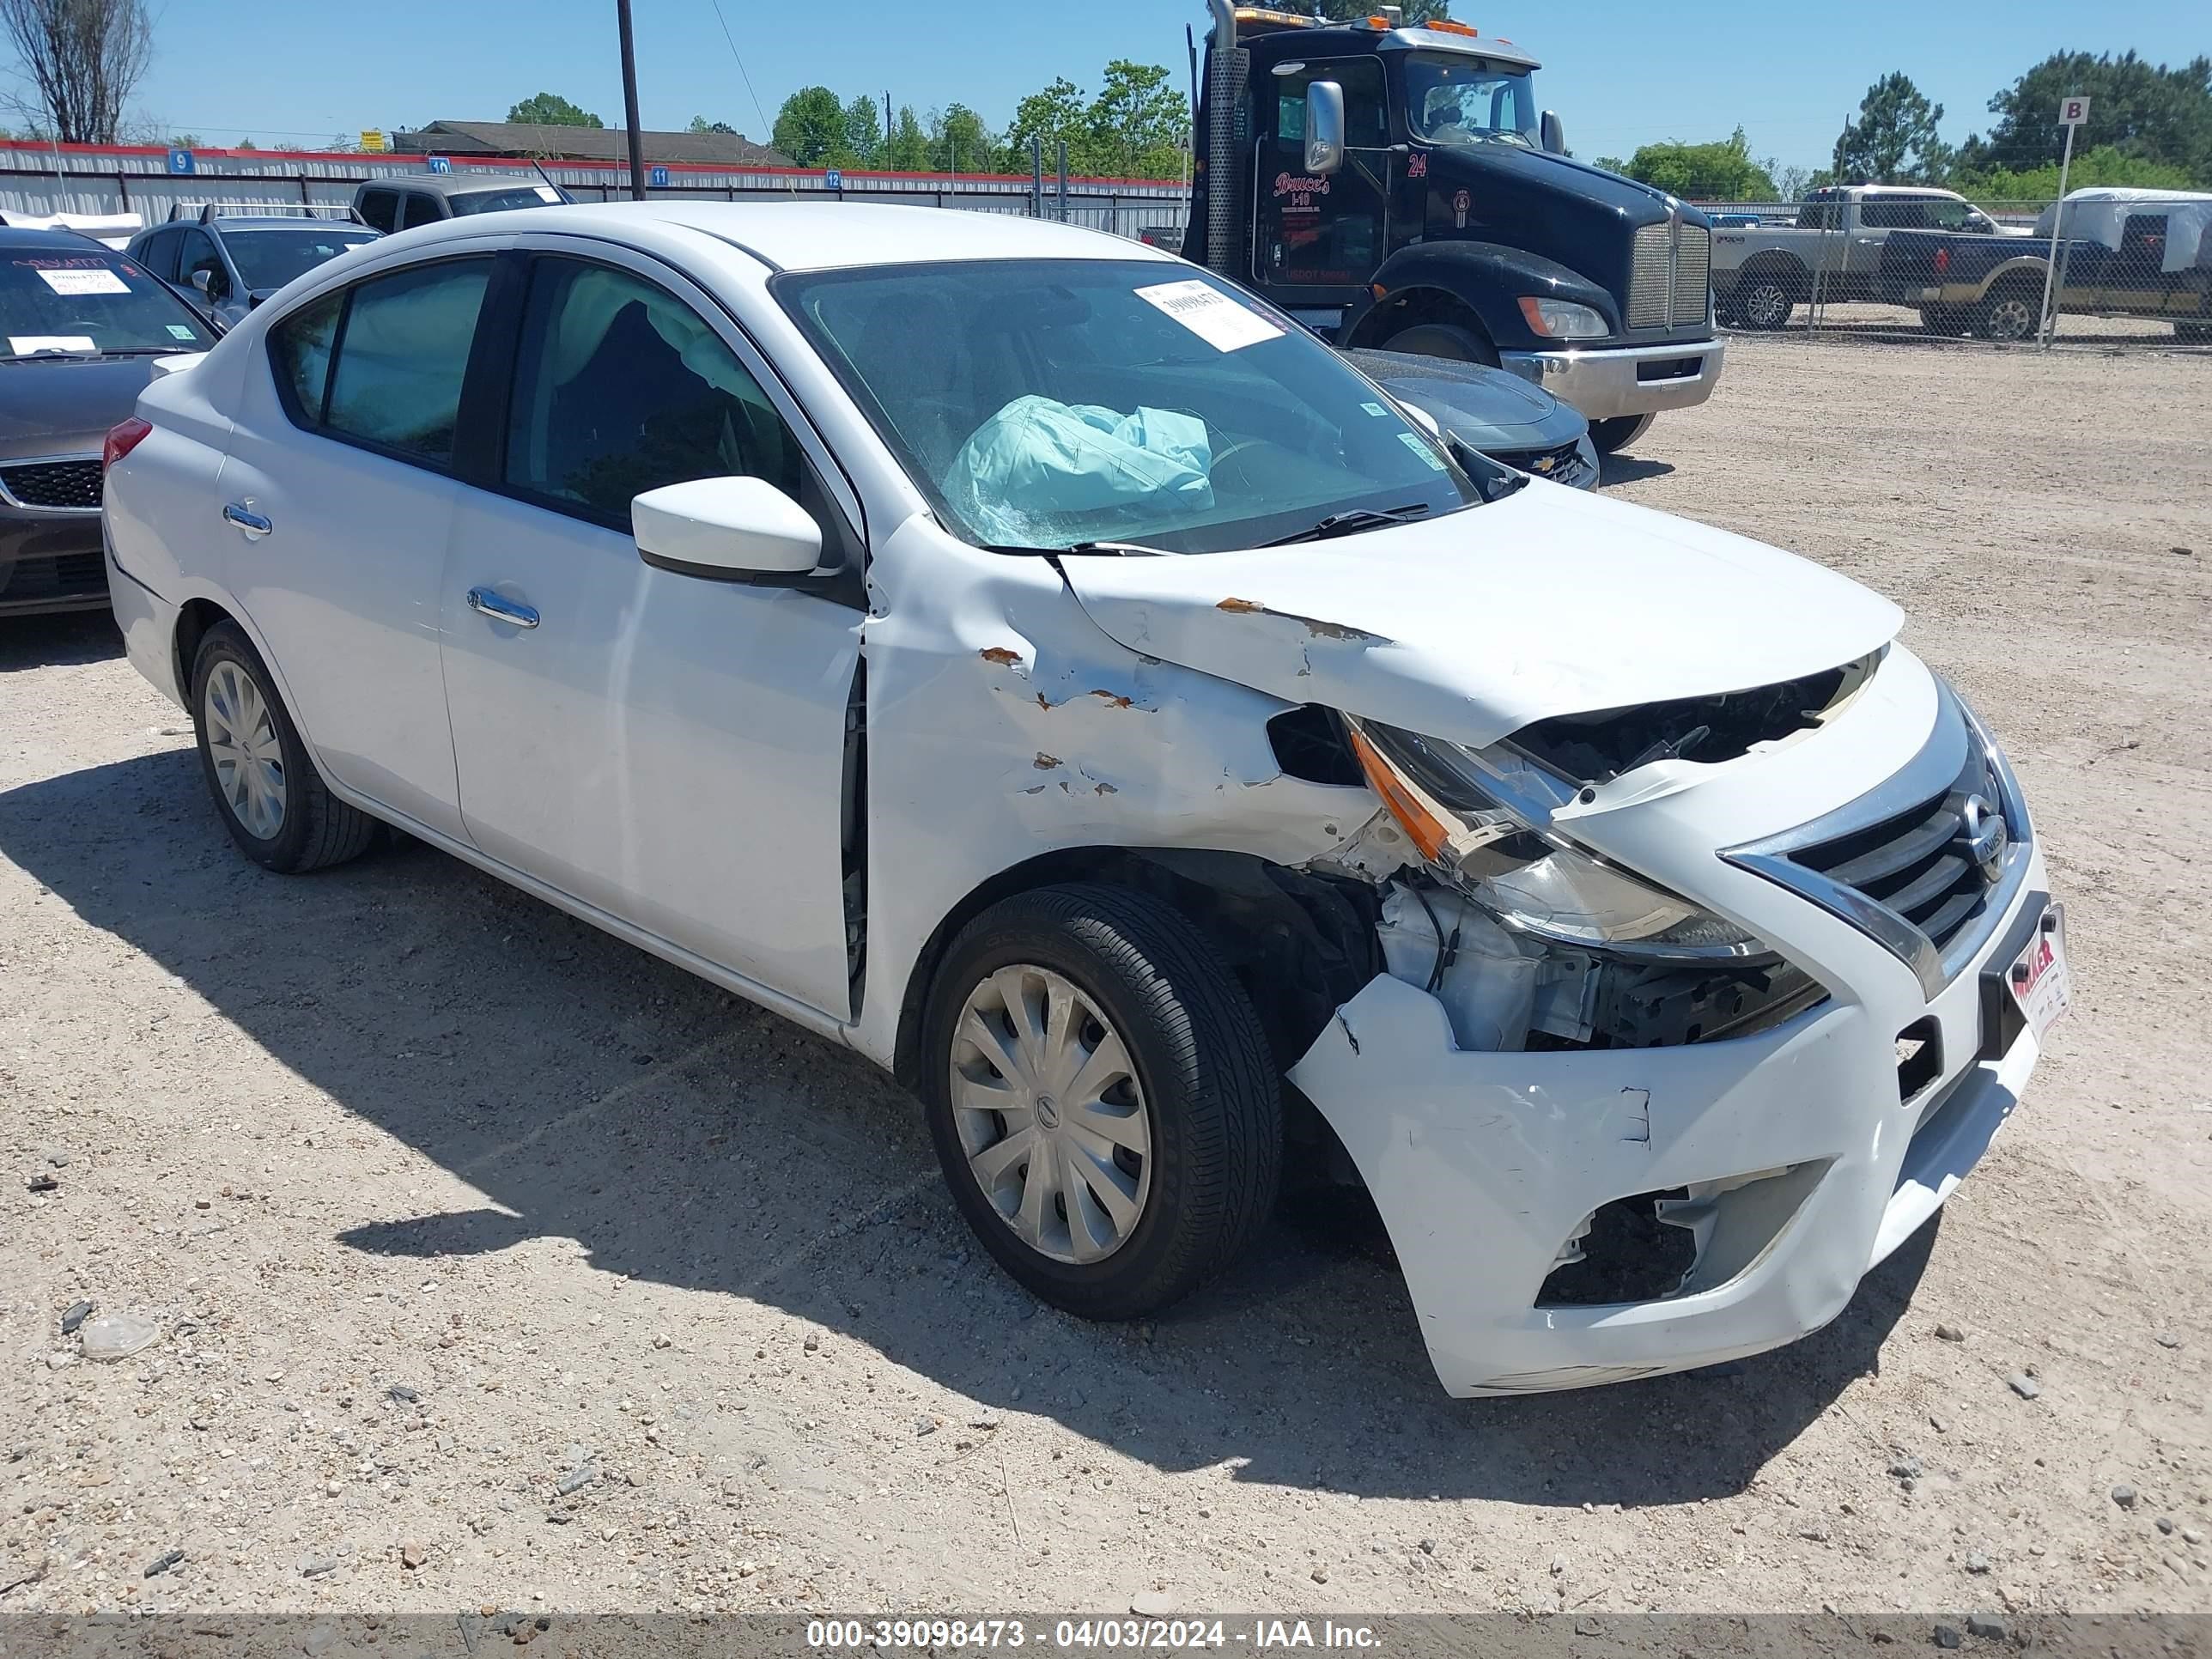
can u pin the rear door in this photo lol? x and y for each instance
(666, 748)
(338, 497)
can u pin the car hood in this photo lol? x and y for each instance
(1547, 602)
(1486, 408)
(65, 407)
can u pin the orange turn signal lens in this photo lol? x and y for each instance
(1426, 831)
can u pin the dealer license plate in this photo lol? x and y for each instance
(2037, 979)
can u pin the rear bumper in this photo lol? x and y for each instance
(148, 625)
(50, 561)
(1607, 381)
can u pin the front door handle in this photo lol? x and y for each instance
(242, 514)
(486, 603)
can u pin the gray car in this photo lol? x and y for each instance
(228, 261)
(82, 325)
(402, 202)
(1488, 410)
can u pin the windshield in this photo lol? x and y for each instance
(1047, 403)
(58, 302)
(270, 258)
(1455, 100)
(498, 200)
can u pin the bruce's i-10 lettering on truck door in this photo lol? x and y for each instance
(1319, 232)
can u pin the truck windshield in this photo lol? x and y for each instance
(1455, 99)
(1042, 404)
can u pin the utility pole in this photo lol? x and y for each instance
(629, 103)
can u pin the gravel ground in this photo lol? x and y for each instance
(492, 1261)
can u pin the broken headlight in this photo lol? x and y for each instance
(1483, 820)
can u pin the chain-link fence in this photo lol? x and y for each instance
(2106, 269)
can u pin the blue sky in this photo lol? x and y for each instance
(1621, 74)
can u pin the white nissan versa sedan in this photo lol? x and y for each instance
(1039, 665)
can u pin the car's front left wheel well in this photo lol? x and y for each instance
(1300, 944)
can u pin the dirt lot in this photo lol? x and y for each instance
(440, 1198)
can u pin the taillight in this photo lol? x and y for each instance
(1943, 260)
(122, 438)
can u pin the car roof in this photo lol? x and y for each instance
(452, 184)
(827, 235)
(231, 222)
(12, 236)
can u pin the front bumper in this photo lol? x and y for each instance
(1605, 381)
(50, 561)
(1802, 1145)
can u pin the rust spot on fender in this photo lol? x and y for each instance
(1045, 762)
(1000, 655)
(1113, 698)
(1313, 625)
(1242, 607)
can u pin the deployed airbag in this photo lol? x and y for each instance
(1032, 471)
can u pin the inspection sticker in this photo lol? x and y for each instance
(178, 331)
(1420, 447)
(1210, 314)
(85, 281)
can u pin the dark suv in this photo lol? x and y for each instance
(83, 326)
(401, 202)
(229, 259)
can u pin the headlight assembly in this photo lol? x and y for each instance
(1563, 319)
(1483, 820)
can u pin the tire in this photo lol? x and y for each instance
(1451, 340)
(1949, 320)
(2008, 314)
(2193, 333)
(1762, 299)
(1199, 1089)
(233, 695)
(1612, 436)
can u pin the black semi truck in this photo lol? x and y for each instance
(1396, 187)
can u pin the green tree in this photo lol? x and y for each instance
(2105, 164)
(1719, 172)
(863, 131)
(1055, 116)
(550, 109)
(701, 123)
(2145, 111)
(810, 127)
(959, 141)
(1893, 141)
(1137, 123)
(906, 147)
(1416, 11)
(185, 141)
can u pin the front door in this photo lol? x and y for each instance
(338, 498)
(1320, 238)
(668, 749)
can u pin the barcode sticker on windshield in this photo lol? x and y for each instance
(1421, 448)
(1212, 315)
(85, 281)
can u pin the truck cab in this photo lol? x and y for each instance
(1397, 187)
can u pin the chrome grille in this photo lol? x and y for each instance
(63, 485)
(1693, 258)
(1649, 277)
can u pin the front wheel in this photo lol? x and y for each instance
(1102, 1097)
(1611, 437)
(1459, 343)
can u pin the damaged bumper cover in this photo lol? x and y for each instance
(1485, 1167)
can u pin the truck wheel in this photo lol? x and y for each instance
(1102, 1097)
(2193, 333)
(1946, 320)
(2010, 313)
(1611, 437)
(1460, 344)
(1765, 299)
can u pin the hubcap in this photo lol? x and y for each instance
(2010, 321)
(241, 740)
(1050, 1115)
(1769, 305)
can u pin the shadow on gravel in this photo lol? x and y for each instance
(1626, 468)
(588, 1092)
(73, 637)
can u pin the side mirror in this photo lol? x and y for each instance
(725, 529)
(203, 280)
(1324, 127)
(1552, 133)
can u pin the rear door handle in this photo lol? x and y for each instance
(486, 603)
(242, 514)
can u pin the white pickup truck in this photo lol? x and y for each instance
(1834, 250)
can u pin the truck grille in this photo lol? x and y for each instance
(67, 485)
(1668, 274)
(1915, 864)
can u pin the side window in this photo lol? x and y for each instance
(158, 253)
(382, 209)
(1946, 215)
(198, 254)
(382, 362)
(421, 209)
(620, 387)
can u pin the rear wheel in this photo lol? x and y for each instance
(1611, 437)
(2193, 333)
(1452, 340)
(272, 800)
(1102, 1097)
(1764, 299)
(2009, 314)
(1946, 320)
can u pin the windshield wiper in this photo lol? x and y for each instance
(1350, 522)
(1138, 548)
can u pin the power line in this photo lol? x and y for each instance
(766, 125)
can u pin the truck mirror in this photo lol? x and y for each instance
(1324, 127)
(1552, 133)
